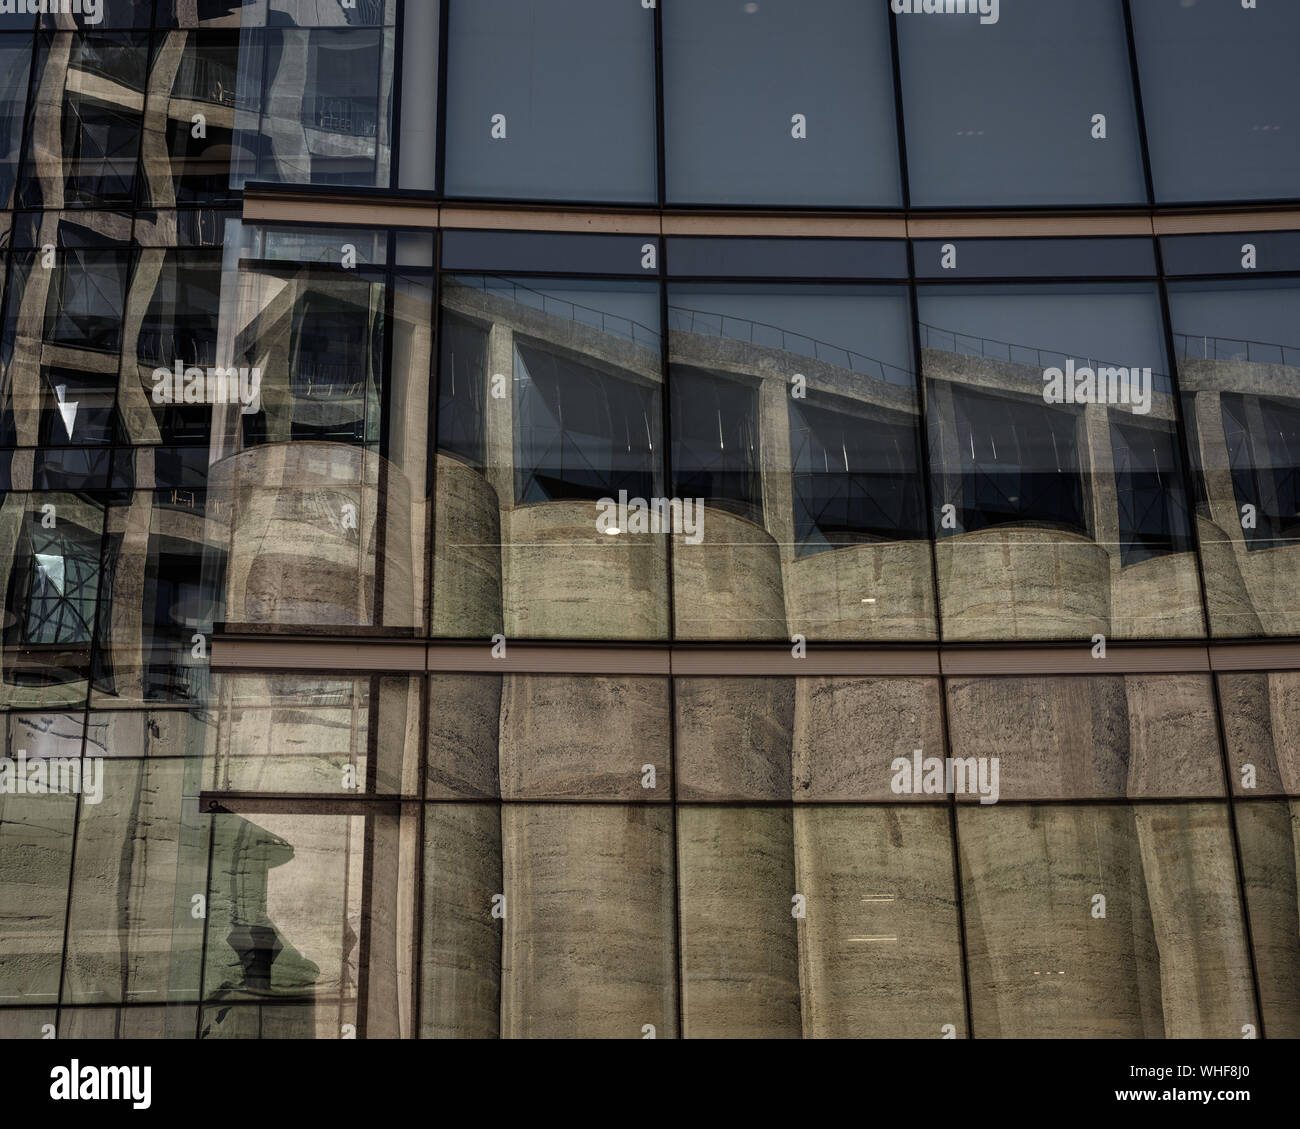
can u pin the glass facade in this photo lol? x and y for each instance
(607, 520)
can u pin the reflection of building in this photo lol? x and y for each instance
(1243, 418)
(1067, 520)
(398, 741)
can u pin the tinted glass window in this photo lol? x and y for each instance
(551, 102)
(1035, 107)
(779, 102)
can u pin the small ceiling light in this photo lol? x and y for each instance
(613, 531)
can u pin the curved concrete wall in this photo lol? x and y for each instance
(847, 731)
(584, 736)
(577, 965)
(1023, 584)
(826, 593)
(466, 553)
(740, 960)
(879, 953)
(565, 579)
(1159, 598)
(734, 738)
(729, 585)
(461, 984)
(300, 522)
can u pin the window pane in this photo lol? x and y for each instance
(1270, 846)
(314, 102)
(783, 102)
(1057, 482)
(549, 414)
(141, 855)
(1239, 373)
(794, 429)
(1168, 958)
(994, 117)
(564, 110)
(1232, 138)
(589, 947)
(1139, 735)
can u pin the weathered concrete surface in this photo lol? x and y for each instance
(825, 593)
(728, 586)
(734, 738)
(467, 554)
(1062, 737)
(847, 731)
(1169, 957)
(739, 958)
(1270, 856)
(1041, 966)
(1015, 583)
(1159, 598)
(589, 941)
(1249, 592)
(130, 933)
(301, 522)
(565, 579)
(585, 737)
(464, 729)
(1227, 598)
(35, 853)
(461, 971)
(1261, 720)
(302, 734)
(1191, 883)
(879, 954)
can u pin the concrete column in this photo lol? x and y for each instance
(461, 981)
(589, 941)
(734, 738)
(879, 955)
(1191, 881)
(740, 968)
(1041, 965)
(585, 737)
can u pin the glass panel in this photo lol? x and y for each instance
(589, 949)
(740, 944)
(193, 101)
(461, 968)
(141, 858)
(15, 67)
(550, 459)
(294, 733)
(1261, 720)
(1057, 482)
(880, 955)
(1140, 735)
(85, 154)
(565, 111)
(310, 926)
(1239, 374)
(1246, 118)
(1270, 859)
(812, 740)
(50, 565)
(35, 857)
(784, 102)
(314, 100)
(994, 118)
(316, 483)
(1103, 922)
(156, 611)
(795, 449)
